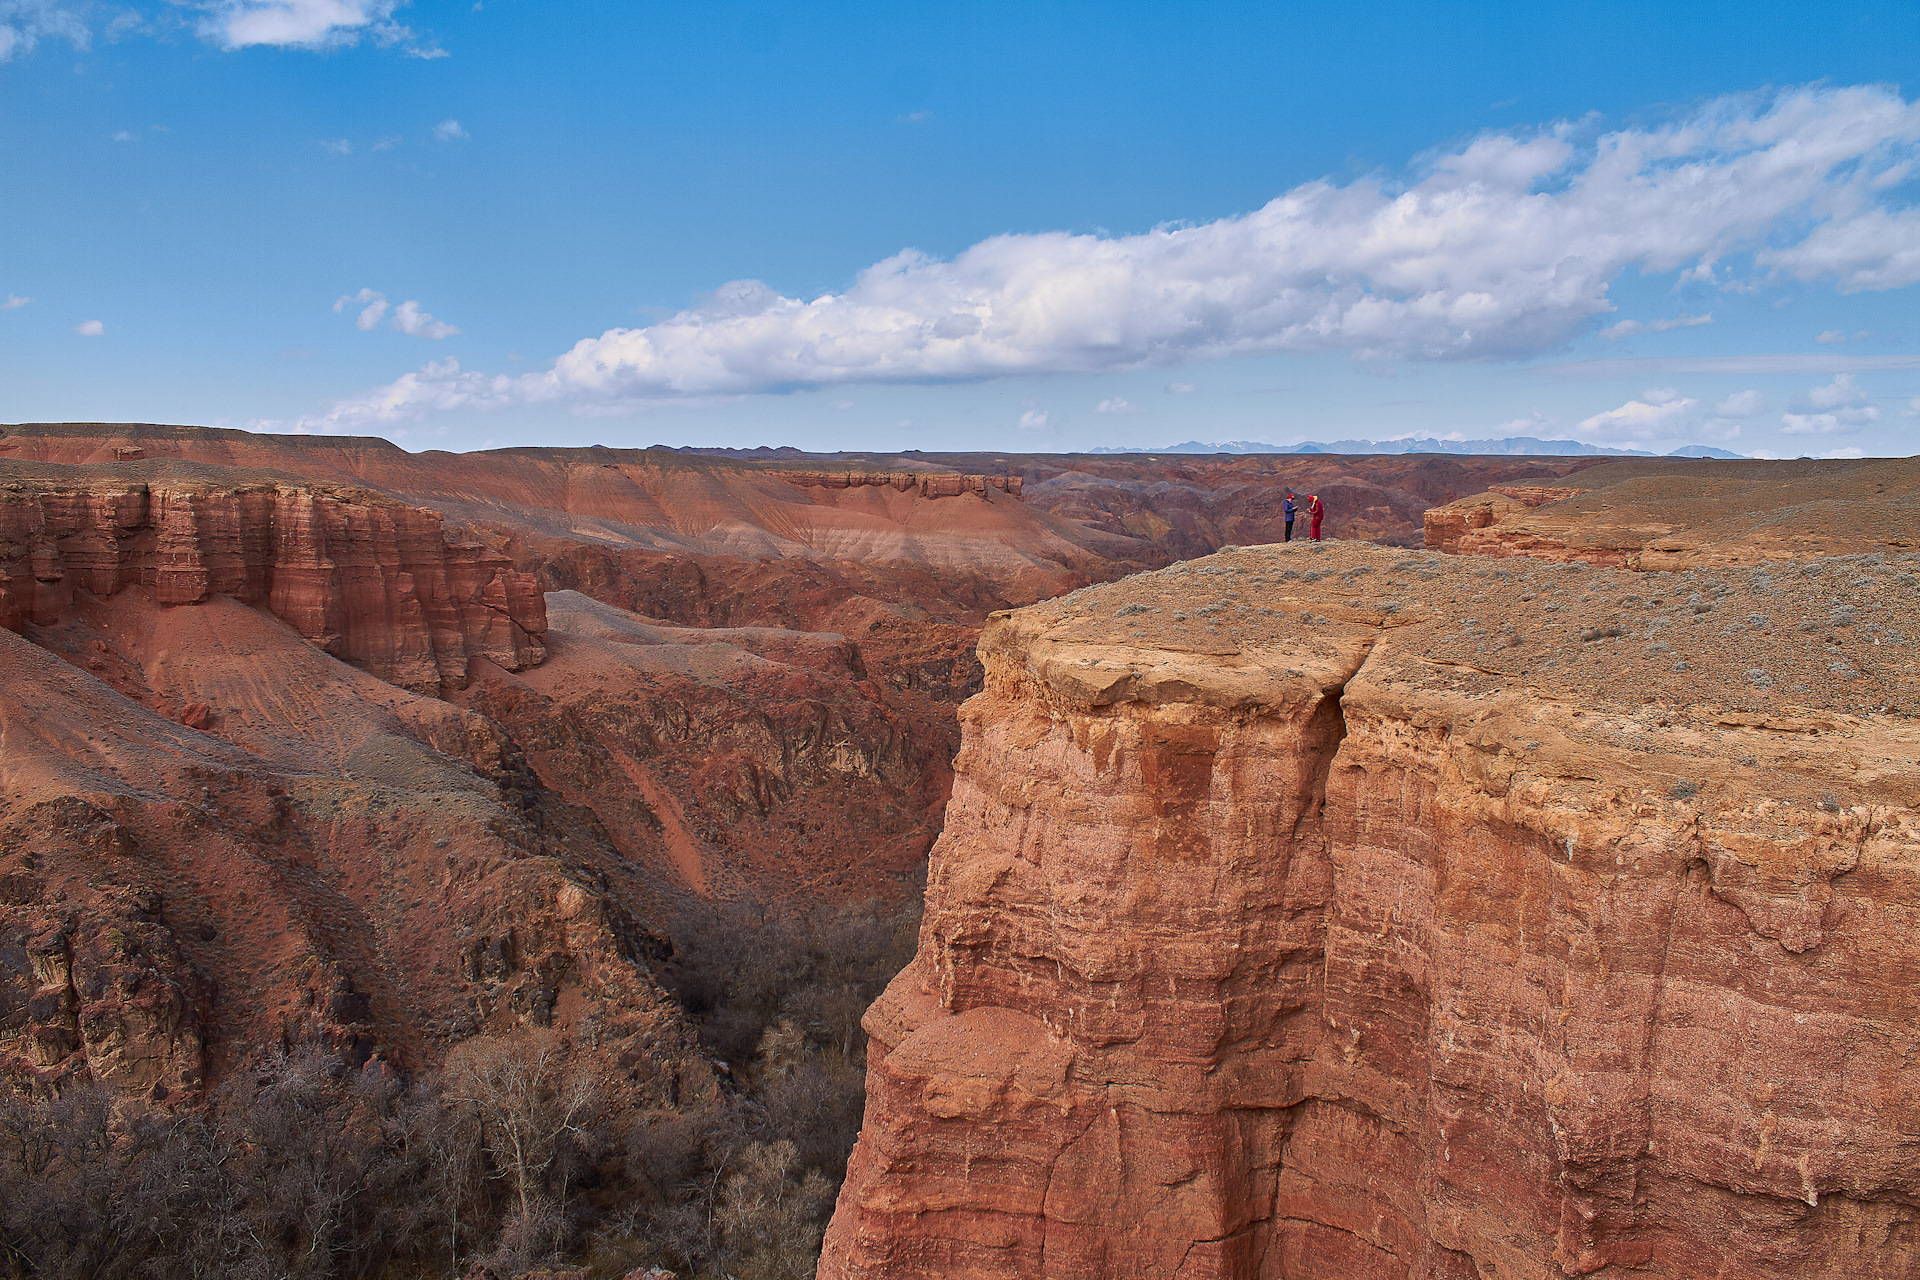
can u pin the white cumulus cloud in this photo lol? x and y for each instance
(1033, 420)
(90, 328)
(449, 131)
(14, 300)
(1643, 419)
(1502, 248)
(1841, 391)
(1837, 406)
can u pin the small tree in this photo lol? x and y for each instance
(527, 1097)
(771, 1217)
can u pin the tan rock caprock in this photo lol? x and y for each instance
(1673, 513)
(1341, 914)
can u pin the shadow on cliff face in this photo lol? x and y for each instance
(778, 997)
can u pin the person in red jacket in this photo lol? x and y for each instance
(1314, 512)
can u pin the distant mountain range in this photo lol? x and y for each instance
(1508, 445)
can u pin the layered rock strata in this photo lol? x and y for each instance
(931, 484)
(1316, 912)
(369, 580)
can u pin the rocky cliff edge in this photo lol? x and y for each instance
(1337, 912)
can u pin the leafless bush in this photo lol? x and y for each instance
(771, 1215)
(515, 1155)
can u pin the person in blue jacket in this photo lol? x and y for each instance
(1289, 515)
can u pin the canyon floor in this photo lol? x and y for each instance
(312, 744)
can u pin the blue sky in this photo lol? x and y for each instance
(1124, 224)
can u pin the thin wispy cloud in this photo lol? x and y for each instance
(128, 22)
(1742, 404)
(339, 146)
(408, 317)
(1117, 404)
(1627, 328)
(311, 24)
(449, 131)
(373, 305)
(1650, 416)
(25, 23)
(1504, 248)
(1734, 366)
(14, 300)
(90, 328)
(1730, 415)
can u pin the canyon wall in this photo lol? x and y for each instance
(369, 580)
(1338, 913)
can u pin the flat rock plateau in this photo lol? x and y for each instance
(1339, 911)
(1348, 909)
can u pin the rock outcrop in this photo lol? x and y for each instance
(1669, 513)
(373, 582)
(1337, 913)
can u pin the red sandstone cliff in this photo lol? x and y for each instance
(367, 579)
(1319, 913)
(217, 837)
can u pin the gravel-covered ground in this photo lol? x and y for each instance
(1836, 633)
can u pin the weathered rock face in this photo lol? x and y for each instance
(929, 484)
(329, 859)
(367, 579)
(1283, 927)
(760, 755)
